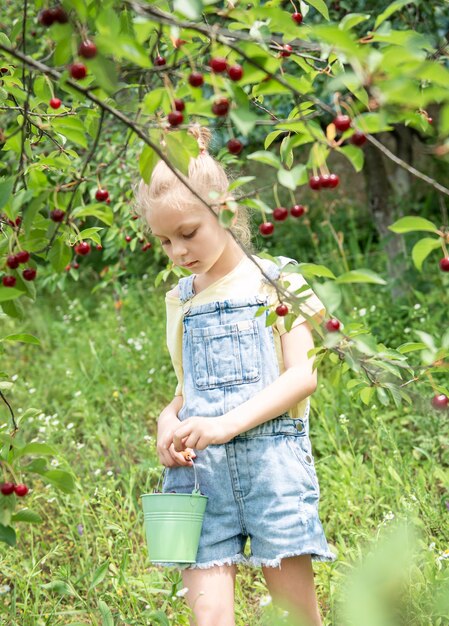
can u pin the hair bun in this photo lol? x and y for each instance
(202, 134)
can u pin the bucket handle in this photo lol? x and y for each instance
(196, 488)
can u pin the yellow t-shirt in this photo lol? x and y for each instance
(243, 280)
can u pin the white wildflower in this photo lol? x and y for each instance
(265, 600)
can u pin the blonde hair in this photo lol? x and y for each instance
(205, 175)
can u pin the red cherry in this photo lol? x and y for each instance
(55, 103)
(82, 248)
(218, 65)
(286, 50)
(12, 261)
(21, 490)
(46, 17)
(57, 215)
(280, 214)
(180, 105)
(23, 256)
(266, 229)
(146, 246)
(175, 118)
(87, 49)
(430, 120)
(9, 281)
(342, 122)
(7, 488)
(76, 265)
(315, 182)
(440, 401)
(196, 79)
(159, 61)
(325, 181)
(67, 267)
(235, 146)
(297, 210)
(333, 325)
(101, 195)
(297, 17)
(281, 310)
(4, 70)
(358, 138)
(220, 107)
(29, 273)
(444, 264)
(128, 238)
(333, 181)
(59, 15)
(18, 221)
(235, 72)
(78, 71)
(99, 246)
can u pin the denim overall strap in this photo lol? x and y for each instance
(273, 271)
(185, 286)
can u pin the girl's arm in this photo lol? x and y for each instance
(172, 409)
(296, 383)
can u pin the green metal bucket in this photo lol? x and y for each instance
(173, 523)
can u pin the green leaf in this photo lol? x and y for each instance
(72, 128)
(89, 233)
(6, 185)
(411, 346)
(372, 122)
(238, 182)
(8, 535)
(392, 8)
(294, 177)
(312, 269)
(255, 203)
(23, 337)
(360, 276)
(271, 137)
(352, 19)
(181, 147)
(411, 223)
(330, 295)
(26, 515)
(9, 293)
(42, 449)
(422, 249)
(263, 156)
(354, 155)
(101, 211)
(366, 394)
(59, 586)
(106, 614)
(42, 89)
(320, 6)
(59, 255)
(147, 162)
(60, 479)
(191, 9)
(99, 575)
(244, 119)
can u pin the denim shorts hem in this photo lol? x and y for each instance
(255, 561)
(231, 560)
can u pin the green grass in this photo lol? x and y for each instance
(100, 380)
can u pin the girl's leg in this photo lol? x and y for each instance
(292, 587)
(211, 595)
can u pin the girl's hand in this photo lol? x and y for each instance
(168, 456)
(199, 432)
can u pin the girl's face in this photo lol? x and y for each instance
(191, 237)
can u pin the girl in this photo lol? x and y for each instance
(241, 404)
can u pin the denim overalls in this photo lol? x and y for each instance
(262, 484)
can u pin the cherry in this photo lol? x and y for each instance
(21, 490)
(280, 214)
(57, 215)
(281, 310)
(23, 256)
(18, 221)
(46, 17)
(9, 281)
(175, 118)
(358, 138)
(159, 61)
(235, 146)
(146, 246)
(440, 401)
(12, 261)
(76, 265)
(82, 248)
(29, 273)
(430, 120)
(67, 267)
(180, 105)
(342, 122)
(325, 181)
(220, 107)
(128, 238)
(7, 488)
(99, 246)
(297, 210)
(235, 72)
(55, 103)
(196, 79)
(315, 182)
(218, 65)
(297, 17)
(266, 228)
(4, 70)
(87, 49)
(78, 71)
(333, 325)
(286, 50)
(59, 15)
(444, 264)
(333, 181)
(101, 195)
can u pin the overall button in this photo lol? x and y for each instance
(308, 459)
(299, 427)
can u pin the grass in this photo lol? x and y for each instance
(99, 382)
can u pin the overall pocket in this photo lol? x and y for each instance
(226, 355)
(300, 446)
